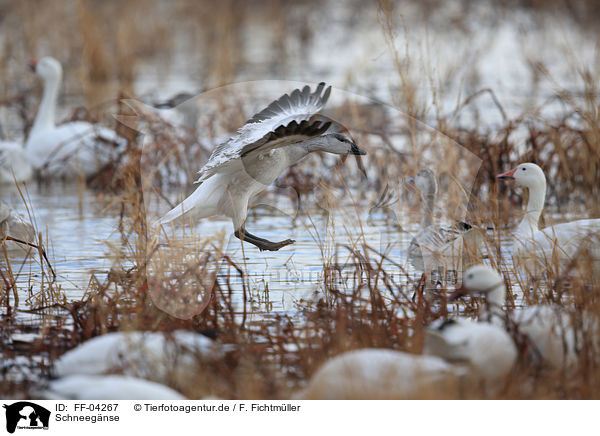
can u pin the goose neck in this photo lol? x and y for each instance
(533, 211)
(495, 304)
(428, 205)
(45, 117)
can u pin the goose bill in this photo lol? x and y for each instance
(509, 175)
(356, 150)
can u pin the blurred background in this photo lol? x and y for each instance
(424, 57)
(509, 81)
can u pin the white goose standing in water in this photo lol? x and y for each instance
(535, 247)
(70, 149)
(271, 141)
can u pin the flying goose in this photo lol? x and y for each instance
(72, 148)
(245, 165)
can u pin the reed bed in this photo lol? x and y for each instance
(158, 283)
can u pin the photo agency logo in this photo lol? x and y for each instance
(25, 415)
(298, 166)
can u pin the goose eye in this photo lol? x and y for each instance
(524, 169)
(470, 276)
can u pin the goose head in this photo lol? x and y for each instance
(338, 144)
(528, 175)
(479, 279)
(48, 68)
(425, 182)
(484, 280)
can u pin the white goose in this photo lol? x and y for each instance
(537, 248)
(550, 336)
(272, 140)
(382, 374)
(106, 387)
(14, 163)
(458, 354)
(435, 247)
(160, 357)
(487, 348)
(71, 149)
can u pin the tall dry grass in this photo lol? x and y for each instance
(369, 307)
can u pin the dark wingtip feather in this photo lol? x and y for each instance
(326, 95)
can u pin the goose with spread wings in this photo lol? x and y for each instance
(272, 140)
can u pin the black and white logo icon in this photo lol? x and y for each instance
(26, 415)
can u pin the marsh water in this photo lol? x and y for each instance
(81, 232)
(81, 238)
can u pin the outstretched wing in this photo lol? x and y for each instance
(287, 120)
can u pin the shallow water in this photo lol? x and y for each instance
(499, 57)
(74, 233)
(79, 234)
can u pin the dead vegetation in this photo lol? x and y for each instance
(163, 286)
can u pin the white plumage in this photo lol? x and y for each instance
(106, 387)
(71, 149)
(459, 354)
(487, 348)
(155, 356)
(537, 250)
(14, 163)
(549, 332)
(380, 374)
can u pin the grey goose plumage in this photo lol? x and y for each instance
(243, 166)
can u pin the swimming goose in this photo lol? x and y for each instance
(160, 357)
(534, 247)
(14, 163)
(550, 336)
(106, 387)
(382, 374)
(245, 165)
(70, 149)
(435, 247)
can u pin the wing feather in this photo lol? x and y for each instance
(289, 115)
